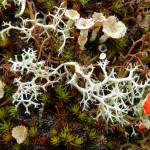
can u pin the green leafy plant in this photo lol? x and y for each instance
(89, 120)
(78, 141)
(118, 7)
(3, 113)
(12, 111)
(8, 90)
(7, 136)
(69, 138)
(5, 126)
(69, 55)
(82, 116)
(53, 132)
(33, 132)
(117, 44)
(4, 42)
(92, 134)
(27, 142)
(86, 128)
(75, 109)
(44, 97)
(83, 2)
(45, 4)
(55, 140)
(16, 147)
(49, 4)
(1, 4)
(62, 93)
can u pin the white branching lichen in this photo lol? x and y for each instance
(28, 92)
(111, 95)
(57, 27)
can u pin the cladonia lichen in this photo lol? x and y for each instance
(111, 95)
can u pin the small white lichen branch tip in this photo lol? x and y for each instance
(23, 6)
(21, 3)
(4, 3)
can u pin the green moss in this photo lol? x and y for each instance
(75, 109)
(7, 136)
(84, 2)
(92, 134)
(8, 90)
(4, 42)
(62, 93)
(65, 137)
(3, 113)
(27, 142)
(45, 4)
(89, 120)
(82, 116)
(69, 55)
(86, 128)
(44, 98)
(12, 111)
(118, 7)
(145, 59)
(5, 126)
(16, 147)
(69, 138)
(109, 144)
(33, 132)
(55, 140)
(117, 44)
(53, 132)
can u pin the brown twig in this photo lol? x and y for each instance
(42, 47)
(132, 56)
(32, 15)
(134, 44)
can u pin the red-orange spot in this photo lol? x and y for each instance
(142, 127)
(146, 105)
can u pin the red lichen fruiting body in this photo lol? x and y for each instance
(142, 127)
(146, 105)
